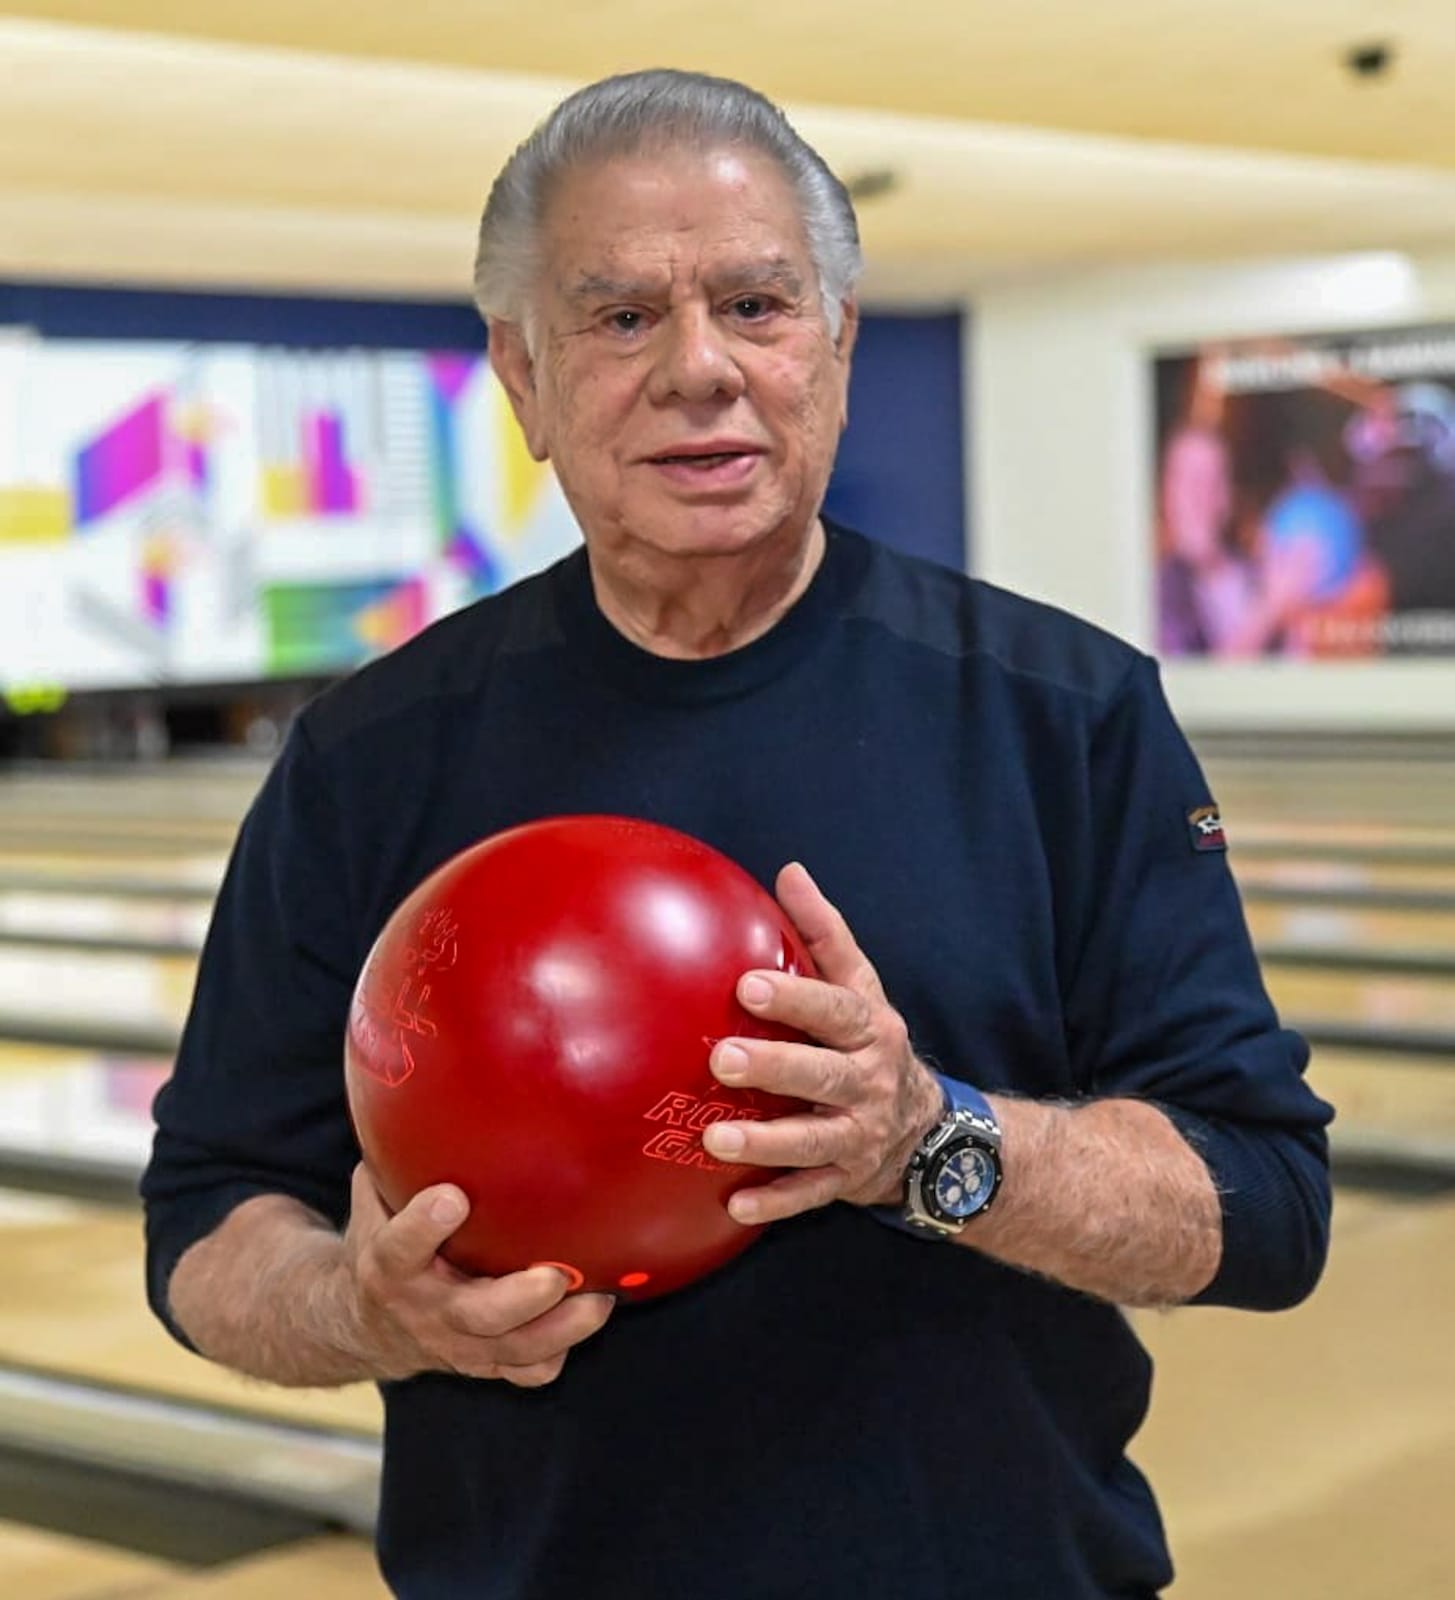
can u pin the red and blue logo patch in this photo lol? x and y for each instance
(1205, 828)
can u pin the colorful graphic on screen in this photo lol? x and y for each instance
(1305, 497)
(210, 513)
(311, 626)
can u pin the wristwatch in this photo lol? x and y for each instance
(955, 1170)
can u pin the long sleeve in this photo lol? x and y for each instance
(1166, 1002)
(256, 1103)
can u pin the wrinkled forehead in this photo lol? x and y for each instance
(672, 213)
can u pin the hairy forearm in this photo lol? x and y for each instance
(266, 1293)
(1105, 1197)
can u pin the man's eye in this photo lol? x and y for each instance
(626, 321)
(752, 307)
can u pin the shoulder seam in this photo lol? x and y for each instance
(1011, 669)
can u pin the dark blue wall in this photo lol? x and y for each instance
(901, 472)
(901, 468)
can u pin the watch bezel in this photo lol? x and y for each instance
(928, 1202)
(969, 1121)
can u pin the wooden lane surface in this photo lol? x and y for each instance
(1316, 877)
(77, 1106)
(1311, 1454)
(37, 1565)
(1378, 1000)
(103, 874)
(1409, 1098)
(1375, 839)
(116, 917)
(337, 1568)
(100, 916)
(30, 1060)
(1346, 929)
(127, 989)
(1309, 789)
(74, 1307)
(154, 991)
(101, 987)
(107, 827)
(87, 806)
(121, 844)
(1267, 1486)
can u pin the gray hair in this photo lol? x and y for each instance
(639, 111)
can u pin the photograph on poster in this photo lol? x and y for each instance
(1305, 496)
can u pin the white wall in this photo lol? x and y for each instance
(1059, 413)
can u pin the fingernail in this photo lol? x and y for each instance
(730, 1063)
(755, 991)
(743, 1208)
(448, 1208)
(723, 1139)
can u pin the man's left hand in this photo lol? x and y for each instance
(872, 1098)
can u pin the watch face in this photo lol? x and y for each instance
(965, 1182)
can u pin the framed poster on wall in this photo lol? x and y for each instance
(1305, 496)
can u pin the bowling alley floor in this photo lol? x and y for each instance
(1299, 1456)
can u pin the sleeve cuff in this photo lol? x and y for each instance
(1273, 1187)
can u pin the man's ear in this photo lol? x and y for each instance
(512, 364)
(844, 350)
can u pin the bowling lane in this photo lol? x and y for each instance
(102, 998)
(1403, 793)
(84, 1112)
(1322, 877)
(1387, 1101)
(1343, 930)
(38, 1565)
(1375, 839)
(73, 1308)
(175, 927)
(115, 837)
(1287, 1435)
(1307, 995)
(77, 1110)
(75, 872)
(185, 797)
(330, 1568)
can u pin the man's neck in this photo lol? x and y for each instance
(700, 606)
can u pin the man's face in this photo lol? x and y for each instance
(684, 385)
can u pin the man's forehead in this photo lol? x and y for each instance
(666, 212)
(625, 274)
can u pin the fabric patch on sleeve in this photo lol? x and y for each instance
(1205, 828)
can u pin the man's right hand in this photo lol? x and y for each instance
(416, 1313)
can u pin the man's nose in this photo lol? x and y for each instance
(696, 361)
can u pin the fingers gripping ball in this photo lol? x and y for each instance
(534, 1023)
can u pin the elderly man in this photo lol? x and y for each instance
(1047, 1081)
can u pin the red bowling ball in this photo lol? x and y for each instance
(533, 1024)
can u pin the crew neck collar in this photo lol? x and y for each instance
(648, 676)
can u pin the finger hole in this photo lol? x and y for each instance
(575, 1278)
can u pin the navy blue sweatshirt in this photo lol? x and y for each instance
(997, 797)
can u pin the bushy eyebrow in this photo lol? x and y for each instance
(778, 272)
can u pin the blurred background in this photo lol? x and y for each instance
(1160, 328)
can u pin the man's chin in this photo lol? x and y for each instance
(716, 530)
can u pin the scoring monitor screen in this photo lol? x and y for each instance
(204, 513)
